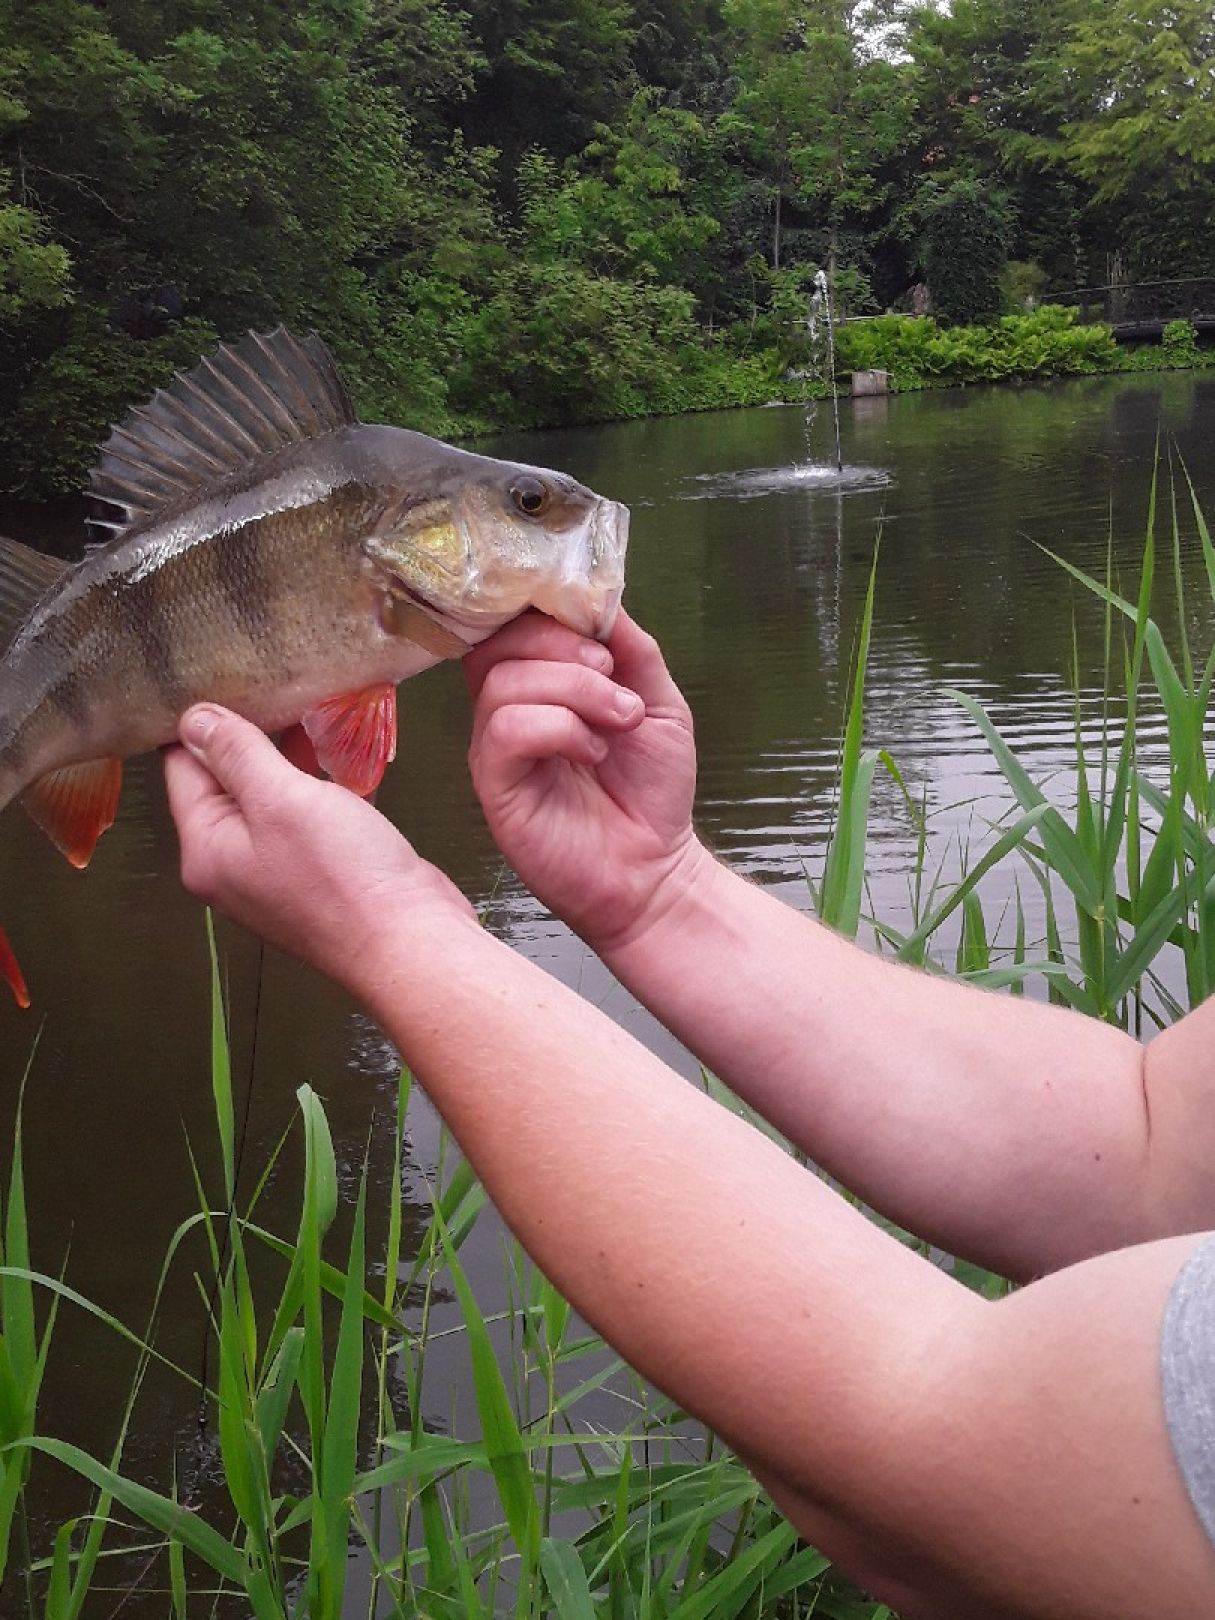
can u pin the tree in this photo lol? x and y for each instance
(819, 109)
(554, 70)
(965, 230)
(1145, 138)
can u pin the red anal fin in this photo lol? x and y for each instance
(12, 973)
(75, 805)
(355, 736)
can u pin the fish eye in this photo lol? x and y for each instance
(530, 496)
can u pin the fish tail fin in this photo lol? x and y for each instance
(10, 969)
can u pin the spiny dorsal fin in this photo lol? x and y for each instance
(26, 576)
(248, 400)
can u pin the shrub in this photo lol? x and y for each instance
(1048, 342)
(966, 231)
(1179, 344)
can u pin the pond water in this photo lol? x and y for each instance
(753, 581)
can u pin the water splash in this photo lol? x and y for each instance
(821, 308)
(812, 477)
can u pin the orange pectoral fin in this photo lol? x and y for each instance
(75, 805)
(12, 973)
(355, 736)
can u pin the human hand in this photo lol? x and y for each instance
(308, 865)
(584, 761)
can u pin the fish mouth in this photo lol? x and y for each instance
(584, 609)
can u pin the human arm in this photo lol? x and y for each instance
(958, 1456)
(1013, 1133)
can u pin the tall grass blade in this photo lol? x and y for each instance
(221, 1070)
(500, 1431)
(566, 1580)
(340, 1457)
(844, 871)
(161, 1512)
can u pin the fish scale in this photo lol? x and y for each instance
(271, 553)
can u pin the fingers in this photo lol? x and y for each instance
(194, 794)
(207, 819)
(242, 759)
(534, 636)
(595, 699)
(639, 664)
(517, 738)
(632, 657)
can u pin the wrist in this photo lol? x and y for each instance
(689, 891)
(405, 945)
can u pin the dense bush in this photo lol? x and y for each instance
(1179, 344)
(966, 231)
(916, 350)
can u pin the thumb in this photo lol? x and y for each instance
(241, 758)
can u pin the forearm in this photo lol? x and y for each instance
(662, 1216)
(1010, 1132)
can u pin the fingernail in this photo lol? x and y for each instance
(596, 656)
(197, 727)
(626, 704)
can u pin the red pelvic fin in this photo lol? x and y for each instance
(355, 736)
(12, 973)
(75, 805)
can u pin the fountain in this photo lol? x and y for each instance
(820, 304)
(808, 474)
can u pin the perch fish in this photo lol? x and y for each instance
(267, 551)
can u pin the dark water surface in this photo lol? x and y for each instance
(753, 585)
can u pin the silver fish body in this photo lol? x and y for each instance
(275, 555)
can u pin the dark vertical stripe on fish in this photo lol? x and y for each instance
(247, 588)
(142, 612)
(70, 695)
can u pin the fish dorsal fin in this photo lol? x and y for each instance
(26, 576)
(246, 401)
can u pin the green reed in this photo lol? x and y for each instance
(567, 1487)
(1123, 865)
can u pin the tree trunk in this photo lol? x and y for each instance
(776, 230)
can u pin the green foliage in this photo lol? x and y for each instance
(1046, 343)
(964, 231)
(629, 198)
(1145, 66)
(1023, 284)
(85, 382)
(34, 273)
(1179, 344)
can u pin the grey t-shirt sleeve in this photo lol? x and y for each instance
(1187, 1364)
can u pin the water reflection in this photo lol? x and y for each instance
(756, 602)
